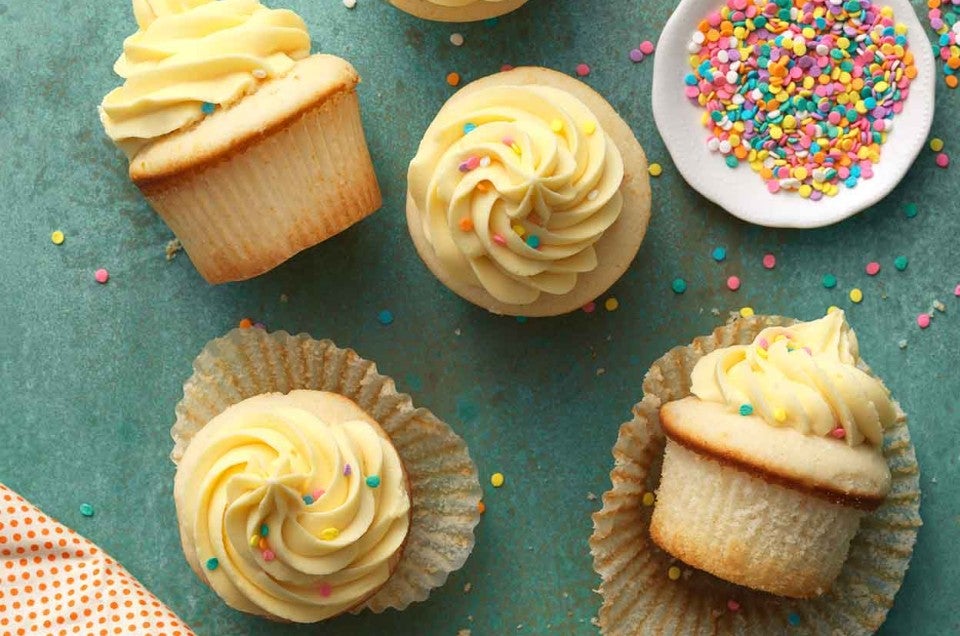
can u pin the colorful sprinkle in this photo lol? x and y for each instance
(793, 618)
(733, 605)
(583, 70)
(769, 261)
(213, 563)
(673, 573)
(678, 285)
(746, 312)
(646, 47)
(956, 291)
(308, 499)
(590, 307)
(719, 254)
(329, 534)
(254, 541)
(268, 555)
(856, 295)
(780, 415)
(496, 480)
(636, 56)
(457, 39)
(533, 241)
(655, 170)
(649, 499)
(943, 16)
(499, 240)
(832, 308)
(262, 543)
(901, 263)
(556, 125)
(481, 507)
(923, 321)
(519, 230)
(264, 530)
(86, 510)
(245, 323)
(57, 237)
(101, 276)
(468, 128)
(373, 481)
(910, 210)
(453, 78)
(746, 409)
(839, 432)
(207, 108)
(936, 144)
(829, 281)
(943, 160)
(385, 317)
(347, 470)
(873, 268)
(466, 224)
(589, 128)
(611, 304)
(733, 283)
(325, 590)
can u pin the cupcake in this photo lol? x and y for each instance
(529, 195)
(766, 483)
(250, 149)
(457, 10)
(306, 487)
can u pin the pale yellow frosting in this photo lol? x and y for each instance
(516, 204)
(188, 53)
(804, 376)
(259, 464)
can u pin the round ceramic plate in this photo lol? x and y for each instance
(742, 192)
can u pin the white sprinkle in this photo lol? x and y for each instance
(723, 56)
(590, 497)
(693, 47)
(902, 344)
(349, 3)
(699, 37)
(939, 306)
(259, 73)
(713, 144)
(725, 147)
(485, 162)
(456, 39)
(593, 195)
(732, 77)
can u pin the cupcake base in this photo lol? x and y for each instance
(480, 10)
(280, 171)
(640, 595)
(619, 245)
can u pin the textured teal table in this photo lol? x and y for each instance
(89, 374)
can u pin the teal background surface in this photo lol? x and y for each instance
(90, 374)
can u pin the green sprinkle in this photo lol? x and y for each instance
(308, 499)
(746, 409)
(901, 263)
(829, 281)
(264, 530)
(86, 510)
(793, 618)
(373, 481)
(213, 563)
(679, 285)
(910, 210)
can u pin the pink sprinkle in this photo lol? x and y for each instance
(956, 290)
(838, 432)
(583, 70)
(325, 590)
(506, 67)
(590, 307)
(268, 555)
(769, 261)
(923, 320)
(499, 240)
(873, 268)
(101, 276)
(763, 343)
(773, 186)
(646, 47)
(808, 350)
(316, 494)
(733, 283)
(943, 160)
(508, 141)
(733, 606)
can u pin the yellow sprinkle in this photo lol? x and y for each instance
(57, 237)
(762, 353)
(329, 534)
(611, 304)
(832, 308)
(516, 148)
(254, 540)
(648, 499)
(496, 480)
(589, 128)
(856, 295)
(936, 144)
(746, 312)
(519, 229)
(780, 415)
(556, 125)
(673, 573)
(655, 169)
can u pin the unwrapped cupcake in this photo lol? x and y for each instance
(529, 195)
(307, 487)
(250, 148)
(457, 10)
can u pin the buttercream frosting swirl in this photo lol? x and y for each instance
(515, 185)
(188, 53)
(804, 376)
(303, 516)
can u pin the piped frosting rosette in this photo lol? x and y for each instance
(292, 514)
(515, 185)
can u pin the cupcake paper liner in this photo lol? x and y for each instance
(640, 598)
(445, 489)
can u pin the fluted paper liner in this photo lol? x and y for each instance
(445, 489)
(639, 597)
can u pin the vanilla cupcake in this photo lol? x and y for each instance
(773, 461)
(457, 10)
(529, 195)
(307, 487)
(247, 146)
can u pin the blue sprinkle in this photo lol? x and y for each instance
(521, 319)
(746, 409)
(308, 499)
(213, 563)
(373, 481)
(690, 79)
(491, 22)
(793, 618)
(385, 317)
(469, 128)
(533, 241)
(720, 254)
(207, 108)
(851, 182)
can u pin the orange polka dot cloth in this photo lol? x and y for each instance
(55, 582)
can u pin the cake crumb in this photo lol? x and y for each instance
(173, 247)
(284, 298)
(590, 497)
(463, 632)
(939, 306)
(902, 344)
(601, 371)
(467, 588)
(456, 332)
(595, 621)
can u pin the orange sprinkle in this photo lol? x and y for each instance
(740, 152)
(482, 507)
(483, 186)
(246, 323)
(954, 62)
(466, 224)
(453, 78)
(951, 81)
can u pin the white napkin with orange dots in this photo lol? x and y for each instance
(53, 581)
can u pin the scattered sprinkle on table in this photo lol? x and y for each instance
(943, 160)
(636, 55)
(936, 144)
(245, 323)
(57, 237)
(385, 317)
(496, 480)
(805, 97)
(86, 510)
(583, 69)
(901, 263)
(923, 321)
(769, 261)
(213, 563)
(673, 573)
(655, 170)
(453, 78)
(873, 268)
(793, 618)
(611, 304)
(481, 507)
(646, 47)
(856, 295)
(910, 210)
(733, 605)
(719, 254)
(648, 499)
(733, 283)
(944, 16)
(829, 281)
(678, 285)
(590, 307)
(457, 39)
(746, 312)
(349, 3)
(956, 291)
(101, 276)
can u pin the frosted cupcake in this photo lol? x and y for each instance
(249, 148)
(457, 10)
(315, 489)
(529, 195)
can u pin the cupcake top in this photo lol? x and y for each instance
(514, 185)
(190, 56)
(295, 506)
(805, 377)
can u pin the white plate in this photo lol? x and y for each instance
(740, 190)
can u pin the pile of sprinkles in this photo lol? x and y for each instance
(804, 91)
(944, 18)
